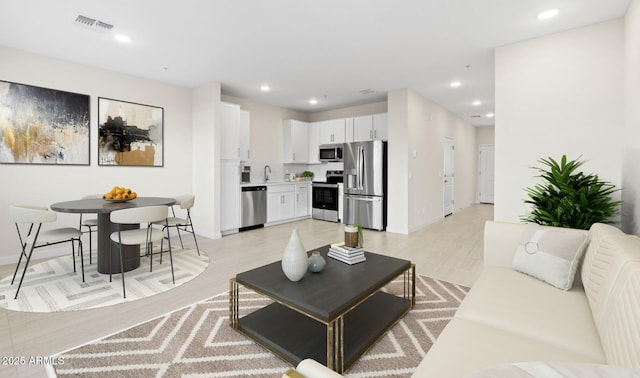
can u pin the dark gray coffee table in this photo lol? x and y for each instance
(333, 317)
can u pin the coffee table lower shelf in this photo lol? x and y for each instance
(294, 336)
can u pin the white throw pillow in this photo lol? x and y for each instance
(555, 370)
(549, 254)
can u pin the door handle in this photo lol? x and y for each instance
(365, 199)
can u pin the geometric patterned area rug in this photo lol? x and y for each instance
(53, 286)
(198, 341)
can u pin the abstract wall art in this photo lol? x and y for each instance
(43, 126)
(130, 134)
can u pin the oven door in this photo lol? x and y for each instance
(325, 196)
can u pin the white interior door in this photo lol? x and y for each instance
(448, 176)
(487, 175)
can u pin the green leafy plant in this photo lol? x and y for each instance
(307, 174)
(568, 198)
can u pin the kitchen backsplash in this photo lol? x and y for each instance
(279, 170)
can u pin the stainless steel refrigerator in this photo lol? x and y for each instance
(365, 184)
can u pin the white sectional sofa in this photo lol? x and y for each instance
(514, 325)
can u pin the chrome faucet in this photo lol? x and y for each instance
(266, 176)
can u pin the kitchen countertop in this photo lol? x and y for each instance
(274, 183)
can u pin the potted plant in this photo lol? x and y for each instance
(308, 175)
(568, 198)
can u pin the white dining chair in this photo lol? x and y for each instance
(146, 235)
(36, 237)
(185, 203)
(90, 223)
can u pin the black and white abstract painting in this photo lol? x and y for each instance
(130, 134)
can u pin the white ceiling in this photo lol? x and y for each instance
(329, 49)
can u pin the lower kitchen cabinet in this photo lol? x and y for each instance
(303, 200)
(280, 202)
(288, 201)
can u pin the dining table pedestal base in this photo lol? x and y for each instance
(130, 253)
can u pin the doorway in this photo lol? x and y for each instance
(448, 176)
(486, 173)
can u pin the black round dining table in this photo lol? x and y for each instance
(105, 247)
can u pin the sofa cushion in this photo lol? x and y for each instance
(466, 346)
(540, 369)
(551, 255)
(522, 305)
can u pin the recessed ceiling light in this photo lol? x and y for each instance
(265, 88)
(548, 14)
(476, 103)
(122, 38)
(313, 101)
(455, 84)
(490, 115)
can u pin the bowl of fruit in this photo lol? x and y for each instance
(119, 194)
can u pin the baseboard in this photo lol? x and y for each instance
(424, 224)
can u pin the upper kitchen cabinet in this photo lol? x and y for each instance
(244, 135)
(234, 132)
(370, 127)
(295, 141)
(333, 131)
(314, 142)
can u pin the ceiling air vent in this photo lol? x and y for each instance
(92, 23)
(476, 116)
(367, 91)
(85, 21)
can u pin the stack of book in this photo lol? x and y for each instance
(349, 255)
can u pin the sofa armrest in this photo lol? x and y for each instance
(500, 242)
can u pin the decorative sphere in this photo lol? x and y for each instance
(316, 262)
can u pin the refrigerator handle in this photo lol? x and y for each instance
(360, 167)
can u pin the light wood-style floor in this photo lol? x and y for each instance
(450, 250)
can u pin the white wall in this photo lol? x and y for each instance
(560, 94)
(46, 184)
(398, 162)
(630, 176)
(417, 129)
(485, 135)
(351, 111)
(206, 159)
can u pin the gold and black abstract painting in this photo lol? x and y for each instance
(43, 126)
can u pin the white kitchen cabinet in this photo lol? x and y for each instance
(302, 200)
(244, 135)
(229, 131)
(348, 130)
(280, 202)
(295, 141)
(370, 127)
(332, 131)
(314, 142)
(380, 126)
(230, 196)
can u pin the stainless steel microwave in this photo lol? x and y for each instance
(331, 152)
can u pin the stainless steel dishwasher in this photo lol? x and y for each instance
(254, 207)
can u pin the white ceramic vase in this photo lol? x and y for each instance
(295, 260)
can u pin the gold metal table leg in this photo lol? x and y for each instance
(233, 303)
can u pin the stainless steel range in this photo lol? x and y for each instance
(326, 197)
